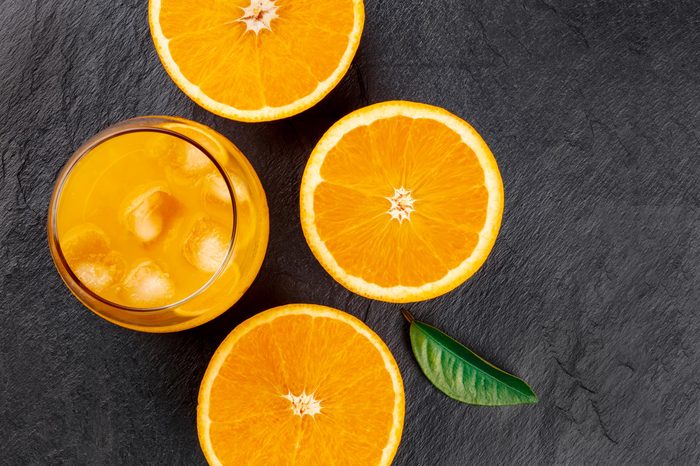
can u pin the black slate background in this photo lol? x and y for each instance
(592, 109)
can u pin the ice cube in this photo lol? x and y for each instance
(187, 164)
(86, 249)
(207, 244)
(99, 271)
(240, 189)
(82, 241)
(147, 214)
(216, 190)
(147, 285)
(193, 161)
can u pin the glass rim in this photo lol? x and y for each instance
(109, 133)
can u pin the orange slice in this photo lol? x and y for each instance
(401, 201)
(299, 385)
(256, 60)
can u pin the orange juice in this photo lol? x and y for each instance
(158, 224)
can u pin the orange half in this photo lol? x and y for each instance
(256, 60)
(401, 201)
(299, 385)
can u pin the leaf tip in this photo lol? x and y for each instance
(532, 398)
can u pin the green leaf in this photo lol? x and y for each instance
(460, 373)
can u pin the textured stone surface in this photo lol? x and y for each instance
(591, 293)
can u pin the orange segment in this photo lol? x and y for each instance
(401, 201)
(301, 384)
(256, 60)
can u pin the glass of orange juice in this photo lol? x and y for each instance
(158, 224)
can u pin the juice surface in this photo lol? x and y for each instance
(145, 219)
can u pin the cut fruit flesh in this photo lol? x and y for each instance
(301, 384)
(401, 201)
(256, 60)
